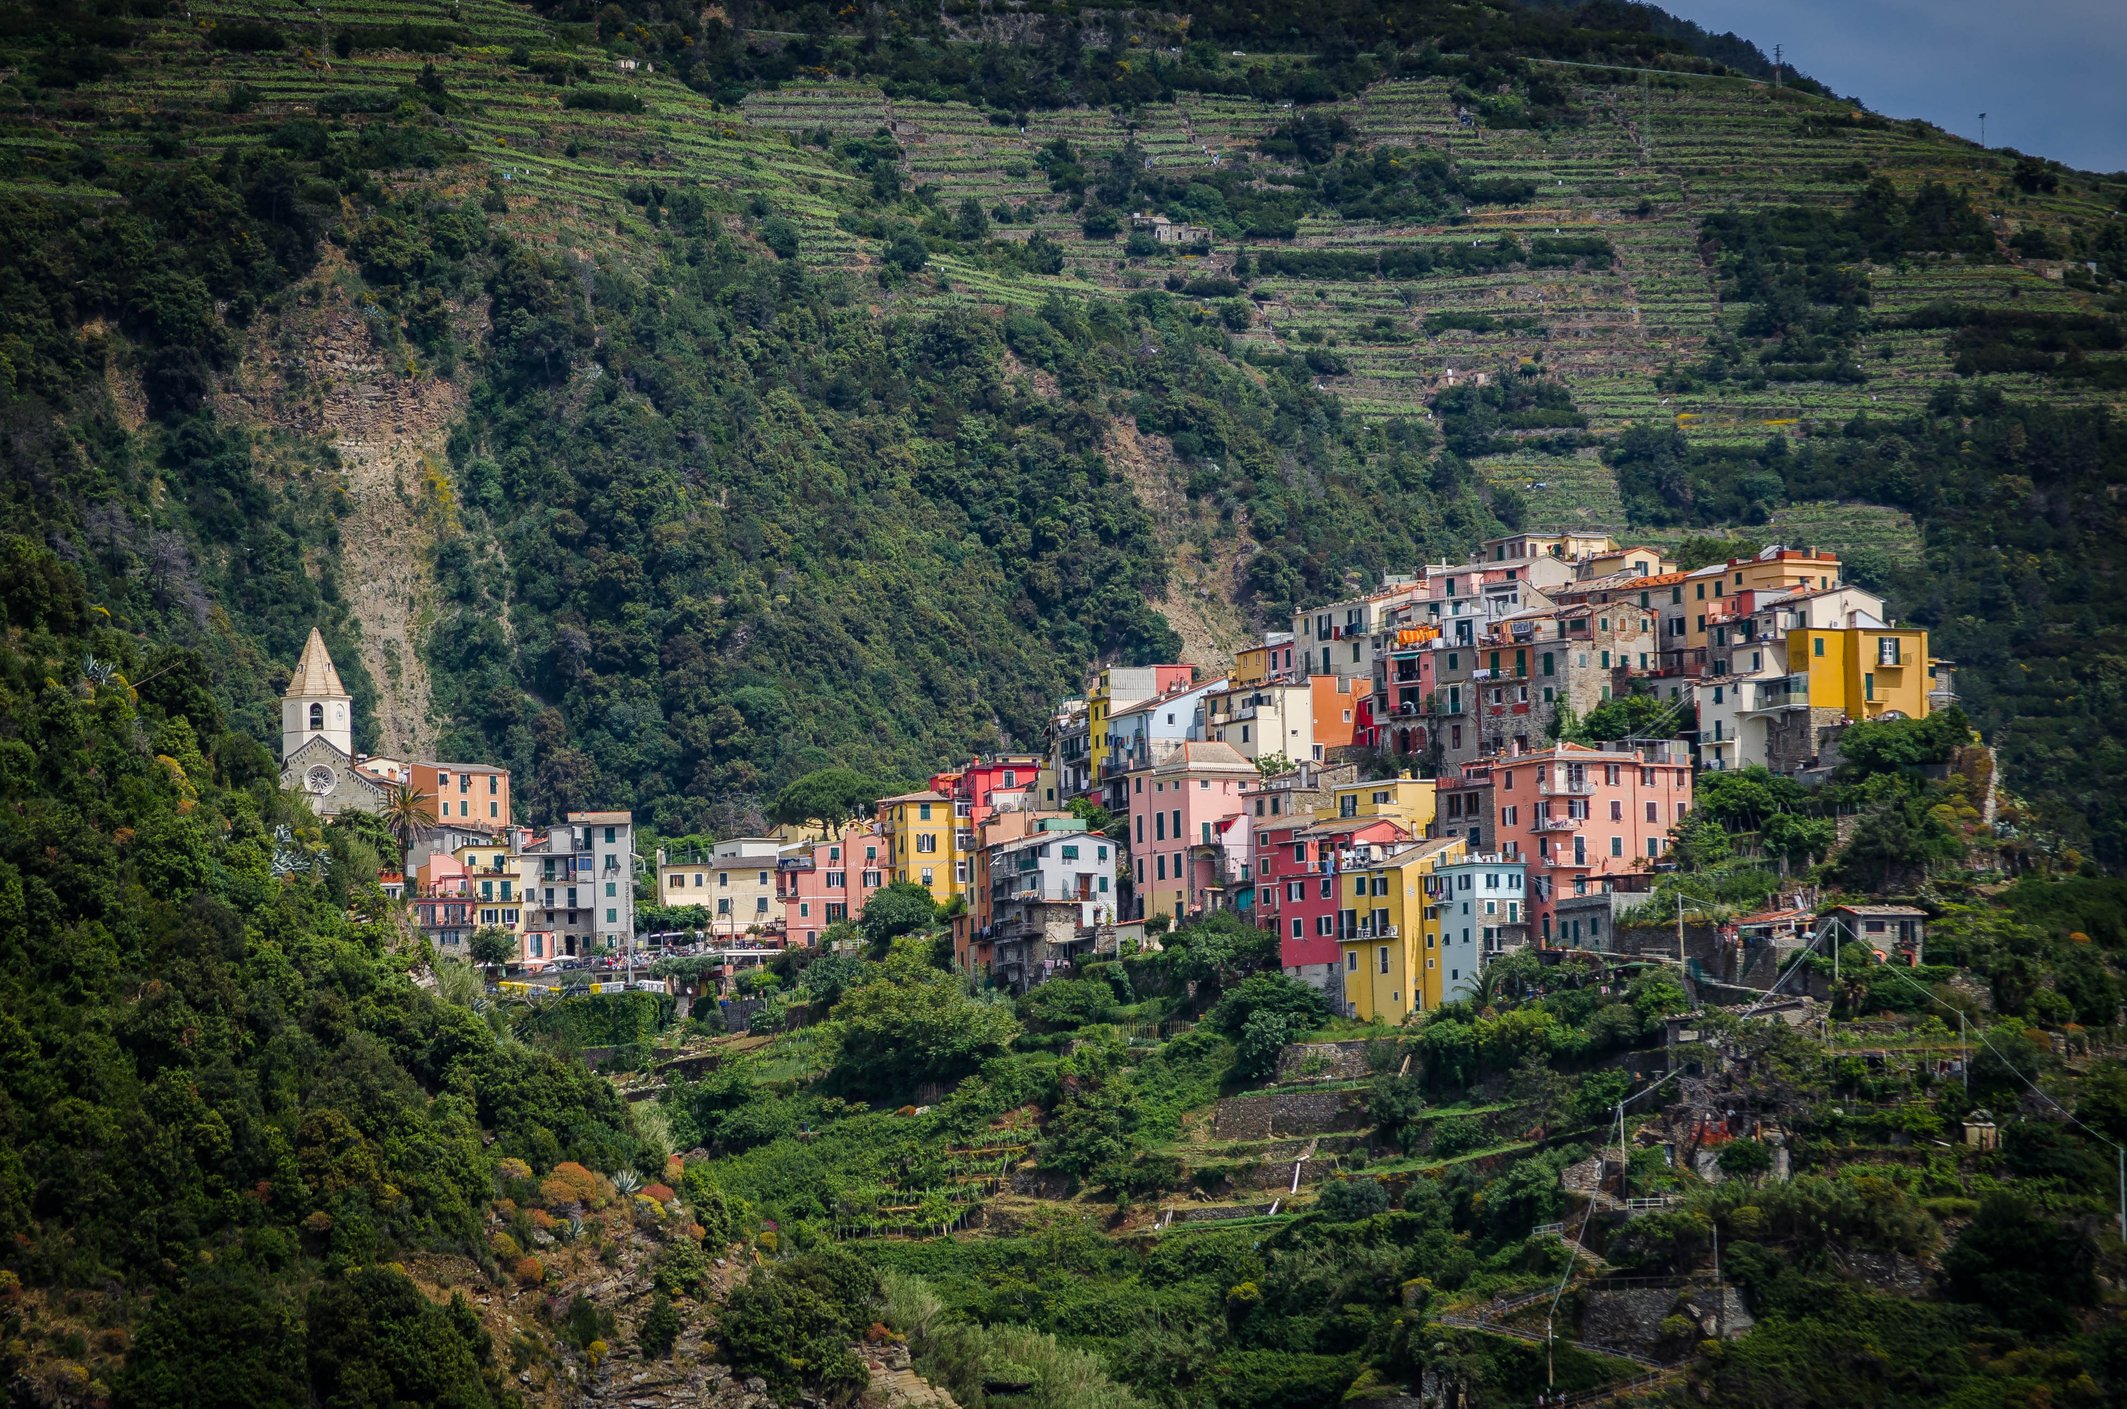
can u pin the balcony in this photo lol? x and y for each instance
(1559, 824)
(1548, 786)
(1373, 932)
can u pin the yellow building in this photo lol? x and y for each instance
(1389, 931)
(1863, 672)
(926, 842)
(1404, 799)
(733, 881)
(1721, 592)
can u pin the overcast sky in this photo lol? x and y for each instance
(2051, 75)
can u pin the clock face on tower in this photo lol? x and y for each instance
(320, 779)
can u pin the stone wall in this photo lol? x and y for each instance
(1287, 1113)
(1325, 1061)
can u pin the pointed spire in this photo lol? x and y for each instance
(314, 676)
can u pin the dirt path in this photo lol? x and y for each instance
(315, 369)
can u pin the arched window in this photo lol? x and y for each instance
(317, 716)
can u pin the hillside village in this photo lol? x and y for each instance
(1049, 707)
(1392, 787)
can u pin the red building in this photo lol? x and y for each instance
(1297, 867)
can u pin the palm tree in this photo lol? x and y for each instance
(407, 813)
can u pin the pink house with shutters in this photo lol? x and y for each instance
(1179, 808)
(822, 882)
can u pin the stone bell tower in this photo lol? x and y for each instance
(317, 705)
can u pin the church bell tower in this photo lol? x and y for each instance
(317, 705)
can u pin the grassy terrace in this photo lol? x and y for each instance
(1649, 158)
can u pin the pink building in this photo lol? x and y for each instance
(1178, 811)
(1571, 813)
(830, 880)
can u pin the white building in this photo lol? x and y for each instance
(1264, 721)
(578, 880)
(1483, 914)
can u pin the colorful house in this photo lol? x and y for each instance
(822, 883)
(1388, 930)
(1571, 812)
(1117, 686)
(465, 794)
(923, 830)
(1177, 809)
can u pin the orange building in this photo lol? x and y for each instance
(1336, 701)
(464, 794)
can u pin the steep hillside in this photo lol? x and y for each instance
(664, 408)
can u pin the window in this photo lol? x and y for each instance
(923, 812)
(611, 889)
(1654, 812)
(1159, 826)
(1299, 929)
(1617, 811)
(1160, 862)
(1351, 958)
(1816, 645)
(927, 877)
(317, 716)
(1617, 846)
(1384, 958)
(1177, 816)
(1011, 778)
(1070, 853)
(925, 843)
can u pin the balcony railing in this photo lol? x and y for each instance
(1558, 824)
(1548, 786)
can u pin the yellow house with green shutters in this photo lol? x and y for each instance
(1389, 930)
(1404, 799)
(1863, 672)
(924, 829)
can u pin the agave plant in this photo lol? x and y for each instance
(627, 1181)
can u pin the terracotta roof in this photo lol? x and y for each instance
(601, 817)
(314, 674)
(925, 796)
(1340, 826)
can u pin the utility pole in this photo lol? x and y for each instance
(1680, 934)
(1964, 1060)
(1777, 75)
(1982, 131)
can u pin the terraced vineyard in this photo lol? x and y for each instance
(1654, 156)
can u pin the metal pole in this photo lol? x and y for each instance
(1680, 934)
(1964, 1060)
